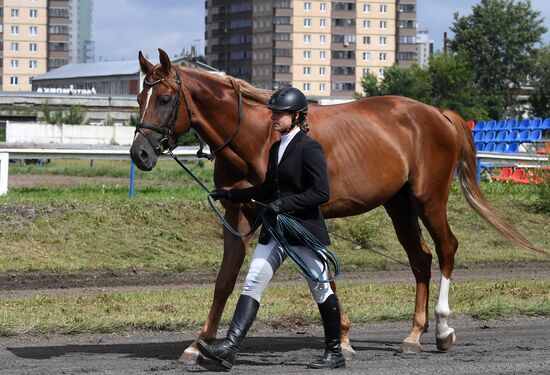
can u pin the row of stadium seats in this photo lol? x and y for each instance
(512, 124)
(520, 176)
(502, 147)
(508, 136)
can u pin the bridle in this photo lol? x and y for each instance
(163, 145)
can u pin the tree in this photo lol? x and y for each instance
(540, 80)
(499, 39)
(413, 82)
(452, 86)
(370, 86)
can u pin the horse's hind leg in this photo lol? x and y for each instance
(405, 221)
(234, 251)
(434, 217)
(431, 204)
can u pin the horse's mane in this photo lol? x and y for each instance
(254, 94)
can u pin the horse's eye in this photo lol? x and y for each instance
(163, 99)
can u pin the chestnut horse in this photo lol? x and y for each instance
(389, 151)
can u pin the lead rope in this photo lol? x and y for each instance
(284, 221)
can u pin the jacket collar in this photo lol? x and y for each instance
(291, 146)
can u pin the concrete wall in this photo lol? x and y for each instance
(68, 134)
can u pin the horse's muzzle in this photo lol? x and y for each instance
(143, 154)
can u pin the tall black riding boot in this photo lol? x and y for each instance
(330, 313)
(225, 351)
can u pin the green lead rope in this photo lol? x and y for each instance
(293, 227)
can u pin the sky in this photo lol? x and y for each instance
(122, 28)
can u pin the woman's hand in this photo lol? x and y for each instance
(276, 206)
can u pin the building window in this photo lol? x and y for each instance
(14, 13)
(306, 86)
(33, 30)
(307, 38)
(307, 70)
(14, 64)
(33, 47)
(366, 24)
(323, 7)
(307, 6)
(383, 25)
(15, 47)
(322, 71)
(307, 55)
(322, 22)
(322, 39)
(322, 55)
(33, 13)
(381, 73)
(366, 71)
(15, 30)
(383, 8)
(366, 56)
(366, 8)
(366, 40)
(33, 64)
(383, 56)
(14, 81)
(322, 87)
(383, 40)
(307, 22)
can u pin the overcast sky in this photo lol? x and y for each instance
(123, 27)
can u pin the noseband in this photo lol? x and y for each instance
(163, 145)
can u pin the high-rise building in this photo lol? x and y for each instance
(321, 47)
(424, 47)
(37, 36)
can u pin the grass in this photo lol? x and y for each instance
(169, 227)
(283, 305)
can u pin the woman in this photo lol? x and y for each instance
(296, 182)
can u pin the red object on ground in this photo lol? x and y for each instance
(504, 175)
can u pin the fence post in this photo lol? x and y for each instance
(132, 179)
(4, 163)
(478, 170)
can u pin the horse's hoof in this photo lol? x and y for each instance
(446, 342)
(408, 347)
(348, 352)
(190, 356)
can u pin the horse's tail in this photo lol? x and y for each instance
(467, 176)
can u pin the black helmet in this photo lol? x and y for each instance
(288, 99)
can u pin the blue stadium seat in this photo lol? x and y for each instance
(501, 125)
(478, 136)
(480, 146)
(535, 123)
(512, 124)
(490, 147)
(524, 135)
(489, 136)
(479, 125)
(490, 125)
(501, 136)
(513, 147)
(546, 124)
(501, 147)
(536, 135)
(513, 136)
(524, 124)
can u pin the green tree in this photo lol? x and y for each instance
(413, 82)
(75, 116)
(453, 87)
(499, 38)
(540, 80)
(369, 82)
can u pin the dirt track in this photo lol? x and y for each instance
(510, 347)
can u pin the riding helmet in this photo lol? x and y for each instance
(288, 99)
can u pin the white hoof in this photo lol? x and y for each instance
(190, 356)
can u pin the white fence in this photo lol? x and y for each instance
(17, 132)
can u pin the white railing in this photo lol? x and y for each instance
(185, 153)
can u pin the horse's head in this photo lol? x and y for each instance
(164, 112)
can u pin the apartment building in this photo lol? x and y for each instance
(322, 47)
(37, 36)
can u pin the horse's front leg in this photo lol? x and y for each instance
(234, 251)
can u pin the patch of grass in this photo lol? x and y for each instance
(283, 305)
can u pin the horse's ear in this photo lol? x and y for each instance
(165, 62)
(145, 65)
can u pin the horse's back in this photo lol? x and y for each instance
(375, 146)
